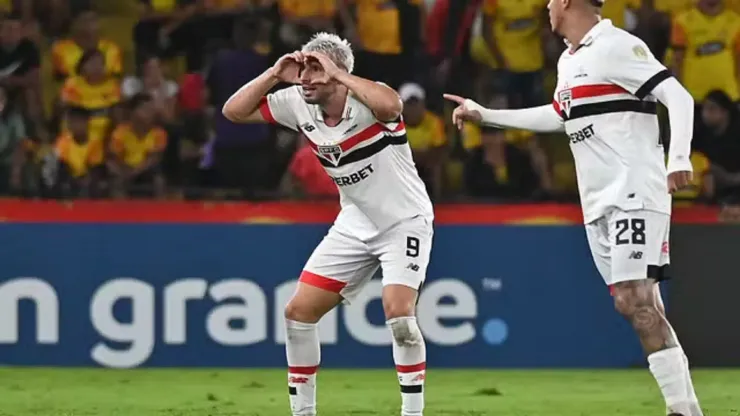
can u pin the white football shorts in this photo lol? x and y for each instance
(630, 245)
(343, 264)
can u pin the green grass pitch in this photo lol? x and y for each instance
(77, 392)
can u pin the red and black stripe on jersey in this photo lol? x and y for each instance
(350, 147)
(619, 105)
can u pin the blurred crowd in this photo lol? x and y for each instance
(122, 98)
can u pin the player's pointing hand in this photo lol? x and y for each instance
(462, 113)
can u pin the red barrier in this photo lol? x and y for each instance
(292, 212)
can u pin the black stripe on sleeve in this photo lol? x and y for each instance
(653, 82)
(616, 106)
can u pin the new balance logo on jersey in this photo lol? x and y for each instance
(307, 127)
(413, 267)
(354, 178)
(350, 130)
(330, 153)
(582, 134)
(636, 255)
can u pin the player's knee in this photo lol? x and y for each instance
(299, 311)
(633, 296)
(398, 309)
(405, 331)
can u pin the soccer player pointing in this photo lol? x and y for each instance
(354, 127)
(606, 102)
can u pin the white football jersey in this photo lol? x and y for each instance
(603, 96)
(370, 161)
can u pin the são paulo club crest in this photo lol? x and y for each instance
(564, 100)
(331, 153)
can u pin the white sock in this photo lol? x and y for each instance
(694, 401)
(671, 372)
(304, 355)
(410, 356)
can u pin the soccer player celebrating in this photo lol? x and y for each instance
(606, 101)
(354, 127)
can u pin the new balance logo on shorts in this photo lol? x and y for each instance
(412, 266)
(637, 255)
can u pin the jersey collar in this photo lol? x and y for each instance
(598, 29)
(319, 115)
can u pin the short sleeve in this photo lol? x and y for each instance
(116, 142)
(160, 140)
(490, 6)
(96, 154)
(632, 66)
(678, 35)
(70, 92)
(279, 107)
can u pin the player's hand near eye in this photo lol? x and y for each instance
(288, 67)
(331, 70)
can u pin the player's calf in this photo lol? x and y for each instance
(303, 351)
(409, 350)
(638, 302)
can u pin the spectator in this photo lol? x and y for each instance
(218, 18)
(514, 33)
(300, 19)
(706, 43)
(55, 15)
(94, 91)
(19, 69)
(720, 142)
(376, 32)
(508, 164)
(165, 28)
(306, 176)
(80, 156)
(622, 13)
(151, 80)
(426, 135)
(241, 152)
(12, 137)
(136, 149)
(67, 53)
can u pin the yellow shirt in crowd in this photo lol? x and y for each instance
(517, 30)
(79, 157)
(66, 54)
(303, 8)
(98, 99)
(616, 10)
(711, 44)
(132, 149)
(428, 134)
(378, 25)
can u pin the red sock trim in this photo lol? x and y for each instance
(303, 370)
(411, 368)
(321, 282)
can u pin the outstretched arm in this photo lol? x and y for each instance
(543, 119)
(680, 106)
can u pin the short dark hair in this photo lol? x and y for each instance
(138, 100)
(597, 3)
